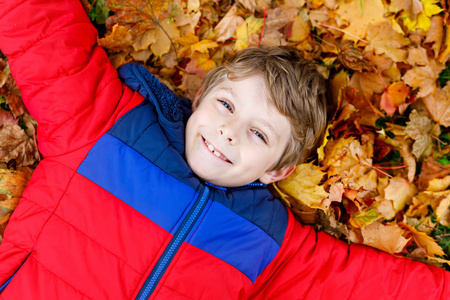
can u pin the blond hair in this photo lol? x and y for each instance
(293, 85)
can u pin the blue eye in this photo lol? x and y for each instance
(260, 135)
(226, 104)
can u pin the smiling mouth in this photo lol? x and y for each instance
(215, 152)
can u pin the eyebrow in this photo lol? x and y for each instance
(264, 122)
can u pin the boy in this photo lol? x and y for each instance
(115, 211)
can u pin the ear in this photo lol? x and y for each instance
(276, 175)
(195, 102)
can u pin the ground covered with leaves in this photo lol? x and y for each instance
(382, 175)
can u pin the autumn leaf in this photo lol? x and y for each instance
(400, 192)
(423, 19)
(438, 105)
(300, 30)
(385, 40)
(386, 237)
(16, 145)
(424, 77)
(351, 57)
(360, 14)
(119, 39)
(137, 16)
(394, 97)
(227, 26)
(366, 216)
(303, 185)
(164, 35)
(12, 184)
(419, 128)
(425, 242)
(246, 30)
(200, 64)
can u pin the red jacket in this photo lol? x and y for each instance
(83, 231)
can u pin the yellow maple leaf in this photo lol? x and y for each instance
(360, 13)
(300, 30)
(303, 185)
(164, 34)
(423, 20)
(204, 45)
(245, 31)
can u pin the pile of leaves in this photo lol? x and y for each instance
(382, 175)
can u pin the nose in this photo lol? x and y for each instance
(229, 132)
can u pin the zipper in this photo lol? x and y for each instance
(175, 244)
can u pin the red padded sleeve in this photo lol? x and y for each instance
(314, 265)
(67, 82)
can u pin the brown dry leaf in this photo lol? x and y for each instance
(419, 128)
(12, 184)
(384, 39)
(144, 41)
(423, 200)
(413, 7)
(227, 26)
(439, 184)
(351, 57)
(336, 192)
(367, 84)
(13, 96)
(425, 242)
(417, 56)
(138, 16)
(431, 169)
(6, 117)
(424, 77)
(438, 105)
(360, 14)
(435, 34)
(303, 185)
(400, 192)
(386, 237)
(345, 154)
(445, 54)
(17, 145)
(119, 39)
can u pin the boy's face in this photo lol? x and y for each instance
(236, 136)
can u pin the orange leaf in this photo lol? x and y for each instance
(200, 64)
(394, 96)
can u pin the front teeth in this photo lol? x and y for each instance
(211, 148)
